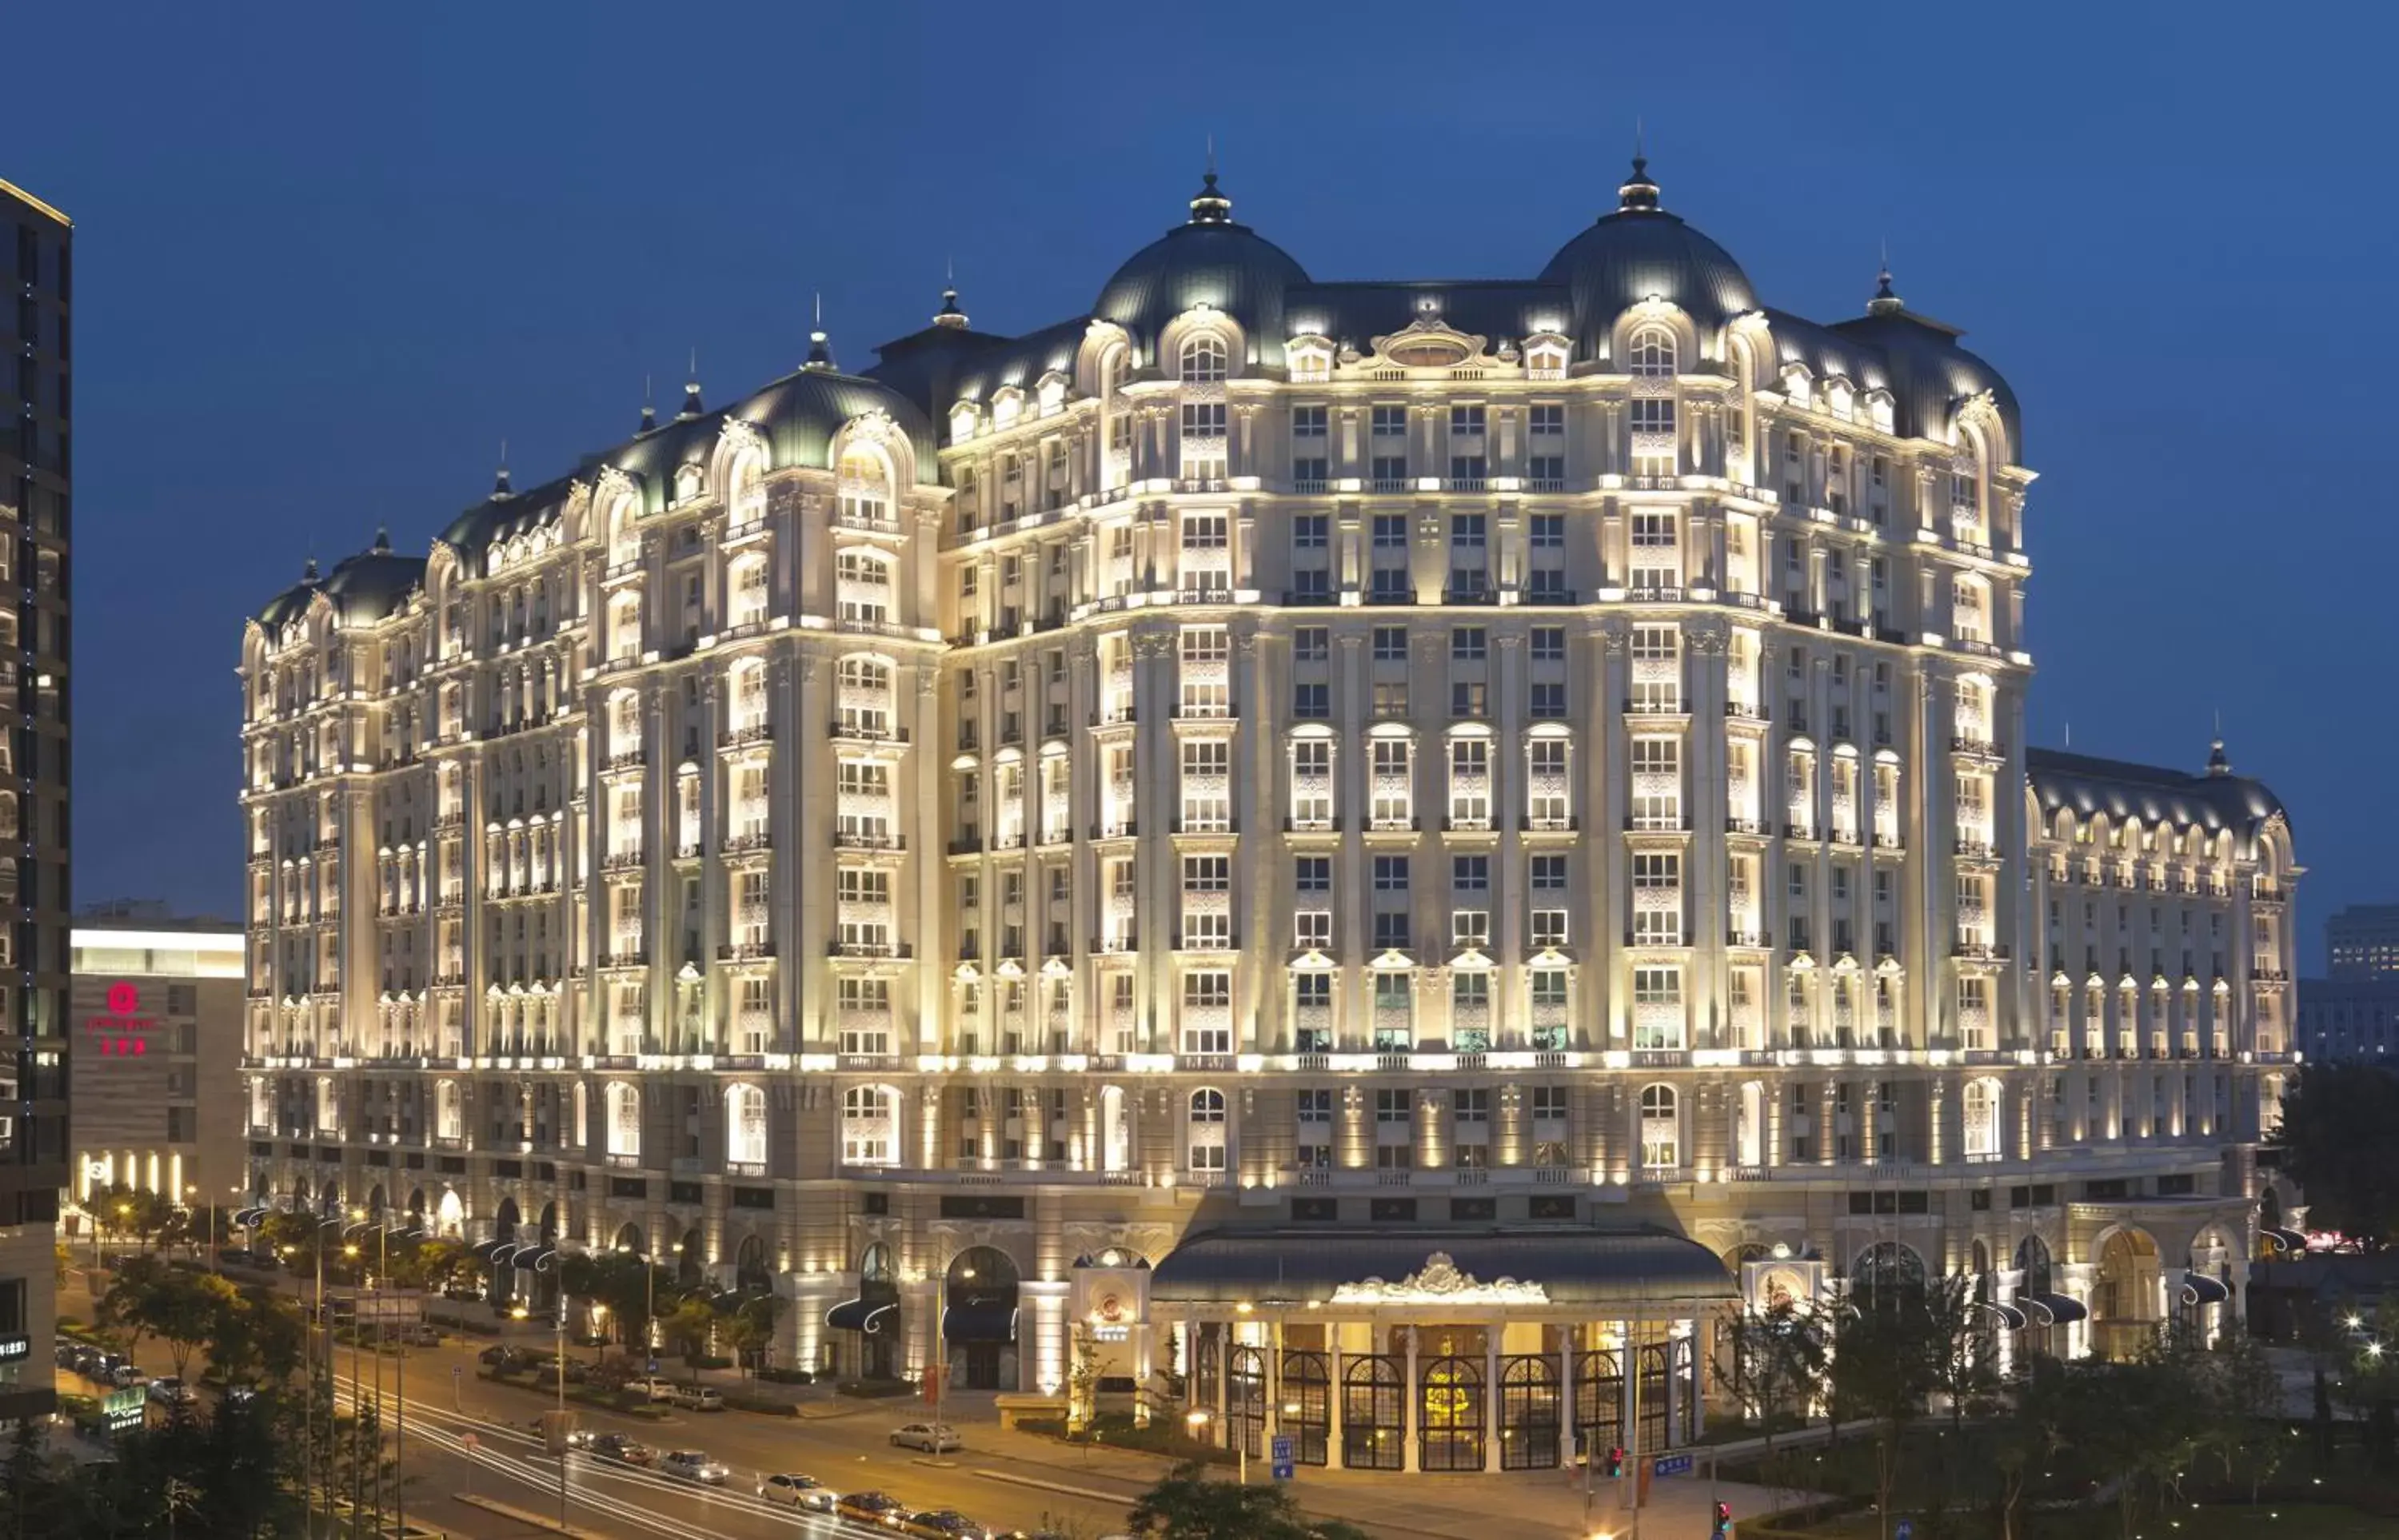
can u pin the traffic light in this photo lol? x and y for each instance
(1724, 1519)
(1615, 1459)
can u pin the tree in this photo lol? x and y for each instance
(121, 1210)
(428, 1264)
(179, 1307)
(2023, 1443)
(2340, 1143)
(260, 1339)
(2136, 1424)
(1189, 1505)
(2244, 1395)
(688, 1328)
(621, 1282)
(748, 1328)
(1772, 1361)
(1082, 1376)
(1891, 1353)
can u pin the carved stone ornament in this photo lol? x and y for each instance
(1440, 1281)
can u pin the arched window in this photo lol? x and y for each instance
(1886, 1268)
(1204, 360)
(865, 490)
(870, 1126)
(1207, 1143)
(582, 1115)
(863, 586)
(745, 494)
(625, 625)
(864, 698)
(624, 1119)
(1652, 353)
(749, 694)
(745, 1125)
(1662, 1145)
(1981, 1110)
(2032, 1261)
(624, 544)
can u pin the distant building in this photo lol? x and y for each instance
(2363, 941)
(156, 1082)
(36, 271)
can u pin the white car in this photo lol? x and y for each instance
(690, 1465)
(799, 1491)
(169, 1391)
(657, 1390)
(697, 1397)
(932, 1437)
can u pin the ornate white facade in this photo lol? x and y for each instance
(1351, 760)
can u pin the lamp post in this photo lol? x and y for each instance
(318, 1359)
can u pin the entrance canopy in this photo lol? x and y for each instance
(1617, 1271)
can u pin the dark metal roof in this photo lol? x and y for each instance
(2151, 793)
(1229, 266)
(1930, 375)
(1627, 256)
(1574, 1266)
(363, 587)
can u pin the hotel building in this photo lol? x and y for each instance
(1390, 848)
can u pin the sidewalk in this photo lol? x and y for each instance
(1429, 1507)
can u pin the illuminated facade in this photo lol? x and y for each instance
(1483, 786)
(157, 1010)
(37, 467)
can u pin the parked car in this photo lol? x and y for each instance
(932, 1437)
(577, 1371)
(503, 1357)
(690, 1465)
(169, 1391)
(872, 1507)
(90, 1361)
(467, 1293)
(697, 1397)
(655, 1388)
(793, 1490)
(124, 1376)
(417, 1334)
(63, 1354)
(236, 1256)
(943, 1524)
(624, 1450)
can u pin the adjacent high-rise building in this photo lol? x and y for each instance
(2363, 941)
(36, 469)
(1385, 849)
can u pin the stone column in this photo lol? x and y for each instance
(1408, 1392)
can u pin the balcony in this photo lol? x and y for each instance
(1978, 747)
(748, 842)
(747, 735)
(637, 957)
(745, 951)
(868, 840)
(854, 730)
(628, 759)
(873, 949)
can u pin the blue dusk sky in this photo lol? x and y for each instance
(329, 257)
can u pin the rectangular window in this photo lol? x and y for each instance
(1546, 532)
(1307, 421)
(1391, 643)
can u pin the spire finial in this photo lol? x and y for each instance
(383, 540)
(1886, 301)
(500, 487)
(950, 314)
(1638, 195)
(2217, 764)
(819, 354)
(691, 406)
(308, 573)
(1212, 207)
(649, 411)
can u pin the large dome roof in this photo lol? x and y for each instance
(1208, 260)
(1640, 251)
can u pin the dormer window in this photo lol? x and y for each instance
(1311, 360)
(1203, 361)
(964, 419)
(1652, 353)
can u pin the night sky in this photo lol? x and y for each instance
(329, 260)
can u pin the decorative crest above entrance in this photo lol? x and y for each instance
(1440, 1281)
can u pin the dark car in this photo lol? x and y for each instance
(236, 1256)
(625, 1451)
(943, 1524)
(873, 1507)
(503, 1357)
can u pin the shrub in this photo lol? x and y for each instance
(787, 1376)
(875, 1389)
(762, 1405)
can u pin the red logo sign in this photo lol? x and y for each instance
(119, 1032)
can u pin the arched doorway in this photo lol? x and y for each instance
(873, 1315)
(1307, 1390)
(1528, 1412)
(376, 1203)
(1886, 1270)
(630, 1240)
(1371, 1424)
(2036, 1291)
(979, 1319)
(690, 1269)
(2124, 1310)
(1450, 1412)
(751, 1273)
(450, 1216)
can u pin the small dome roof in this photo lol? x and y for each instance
(1211, 261)
(363, 587)
(1640, 251)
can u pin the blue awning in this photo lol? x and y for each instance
(2060, 1309)
(2199, 1289)
(978, 1323)
(872, 1317)
(2288, 1242)
(532, 1259)
(489, 1251)
(2010, 1316)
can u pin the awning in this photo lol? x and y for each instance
(978, 1323)
(246, 1218)
(1633, 1269)
(872, 1317)
(2062, 1310)
(489, 1251)
(532, 1259)
(2010, 1316)
(2199, 1289)
(2289, 1242)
